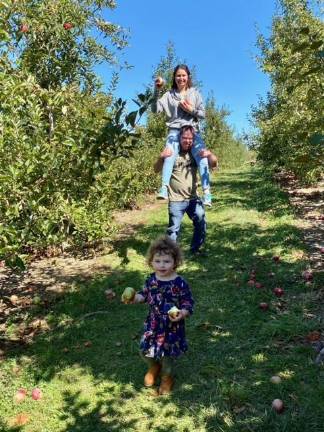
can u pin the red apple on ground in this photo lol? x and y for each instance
(264, 306)
(307, 275)
(278, 292)
(258, 285)
(20, 395)
(276, 258)
(251, 282)
(278, 405)
(36, 393)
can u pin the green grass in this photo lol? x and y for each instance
(222, 384)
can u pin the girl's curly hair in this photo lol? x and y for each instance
(165, 245)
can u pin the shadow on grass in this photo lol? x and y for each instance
(223, 382)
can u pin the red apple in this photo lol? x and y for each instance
(278, 405)
(264, 306)
(322, 250)
(307, 275)
(67, 25)
(20, 395)
(251, 282)
(159, 82)
(258, 285)
(36, 393)
(276, 258)
(278, 292)
(24, 28)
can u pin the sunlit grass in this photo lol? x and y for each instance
(223, 383)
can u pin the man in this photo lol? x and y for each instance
(182, 190)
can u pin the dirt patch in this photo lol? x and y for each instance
(309, 205)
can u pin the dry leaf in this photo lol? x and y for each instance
(20, 419)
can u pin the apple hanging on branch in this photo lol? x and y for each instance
(68, 26)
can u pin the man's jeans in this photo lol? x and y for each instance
(168, 163)
(196, 212)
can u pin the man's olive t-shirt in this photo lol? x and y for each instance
(183, 183)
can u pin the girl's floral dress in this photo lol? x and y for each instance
(163, 337)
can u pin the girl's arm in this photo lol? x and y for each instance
(138, 298)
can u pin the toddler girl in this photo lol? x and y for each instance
(164, 339)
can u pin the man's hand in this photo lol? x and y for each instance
(166, 153)
(186, 106)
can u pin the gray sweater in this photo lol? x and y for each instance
(177, 117)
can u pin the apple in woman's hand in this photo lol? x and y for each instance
(159, 82)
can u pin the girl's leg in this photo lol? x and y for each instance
(202, 167)
(154, 368)
(172, 143)
(167, 372)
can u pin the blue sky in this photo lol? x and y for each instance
(217, 37)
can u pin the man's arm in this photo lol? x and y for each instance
(159, 162)
(212, 159)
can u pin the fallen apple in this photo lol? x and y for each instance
(110, 294)
(36, 393)
(128, 295)
(275, 379)
(278, 405)
(307, 275)
(20, 395)
(276, 258)
(258, 285)
(159, 82)
(278, 292)
(174, 312)
(251, 282)
(264, 306)
(322, 250)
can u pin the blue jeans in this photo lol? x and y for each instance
(202, 163)
(196, 212)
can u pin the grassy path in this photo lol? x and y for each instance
(89, 371)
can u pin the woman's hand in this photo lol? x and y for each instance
(183, 313)
(186, 106)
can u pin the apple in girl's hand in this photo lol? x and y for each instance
(128, 295)
(36, 393)
(278, 292)
(159, 82)
(278, 405)
(264, 306)
(174, 312)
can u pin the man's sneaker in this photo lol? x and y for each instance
(163, 193)
(207, 199)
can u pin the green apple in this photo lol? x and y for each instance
(174, 312)
(128, 295)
